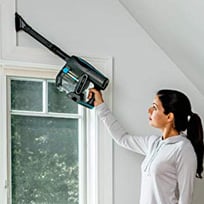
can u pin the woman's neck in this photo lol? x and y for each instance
(169, 133)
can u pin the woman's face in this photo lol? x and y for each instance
(157, 118)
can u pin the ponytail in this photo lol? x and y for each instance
(195, 135)
(178, 103)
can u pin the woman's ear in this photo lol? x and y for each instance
(171, 117)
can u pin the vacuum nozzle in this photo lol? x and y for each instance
(20, 24)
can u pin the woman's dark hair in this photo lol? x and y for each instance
(175, 102)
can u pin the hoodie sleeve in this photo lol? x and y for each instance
(138, 144)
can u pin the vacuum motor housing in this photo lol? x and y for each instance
(76, 77)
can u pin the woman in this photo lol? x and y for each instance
(173, 160)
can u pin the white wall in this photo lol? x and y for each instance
(175, 26)
(104, 28)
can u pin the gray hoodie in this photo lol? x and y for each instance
(169, 167)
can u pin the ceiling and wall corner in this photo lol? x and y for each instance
(176, 27)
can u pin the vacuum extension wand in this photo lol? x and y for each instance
(22, 25)
(76, 76)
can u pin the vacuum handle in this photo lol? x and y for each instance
(91, 101)
(22, 25)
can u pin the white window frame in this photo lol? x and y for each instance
(80, 116)
(99, 145)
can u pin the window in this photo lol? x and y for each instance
(34, 150)
(45, 136)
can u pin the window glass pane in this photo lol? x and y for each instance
(58, 101)
(26, 95)
(44, 160)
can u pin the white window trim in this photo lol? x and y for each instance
(99, 154)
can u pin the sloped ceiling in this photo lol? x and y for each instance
(178, 28)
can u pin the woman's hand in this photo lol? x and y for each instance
(98, 98)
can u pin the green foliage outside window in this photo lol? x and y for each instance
(44, 153)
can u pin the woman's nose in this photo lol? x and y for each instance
(150, 110)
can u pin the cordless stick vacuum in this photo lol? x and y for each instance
(76, 76)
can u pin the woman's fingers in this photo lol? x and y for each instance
(98, 98)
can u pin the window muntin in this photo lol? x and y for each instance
(44, 147)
